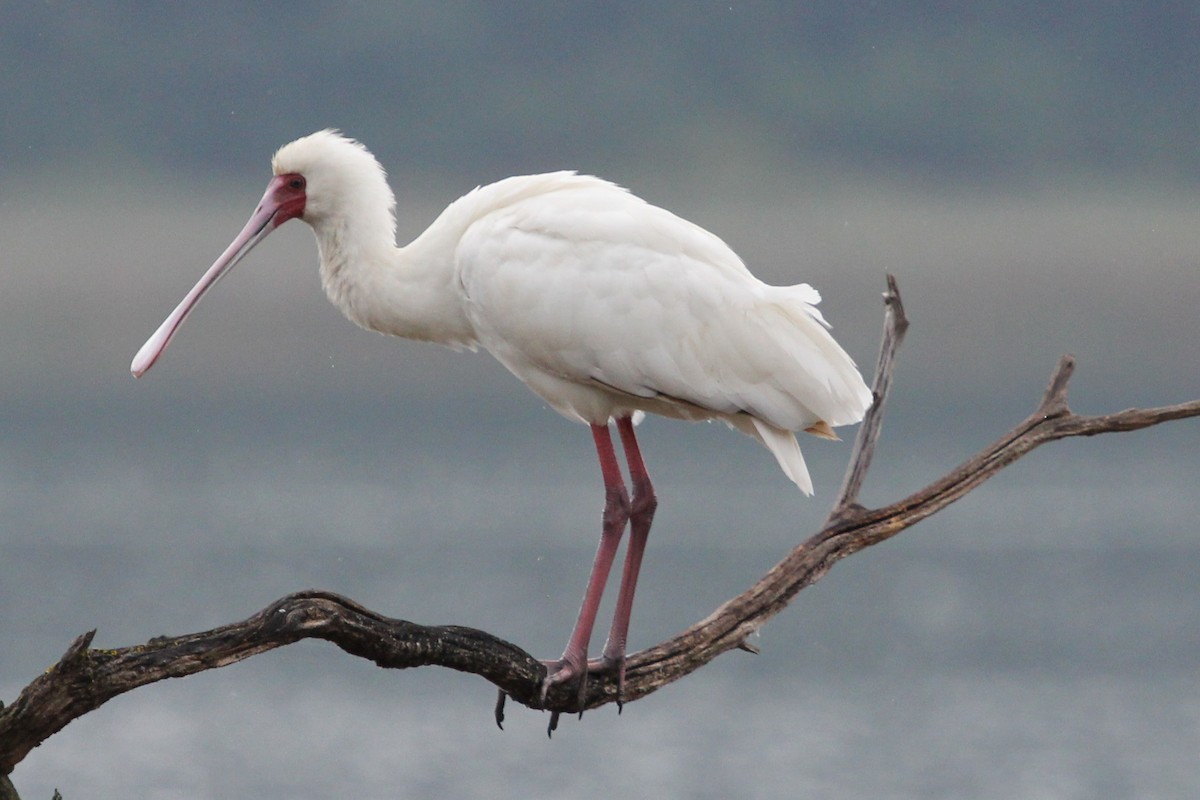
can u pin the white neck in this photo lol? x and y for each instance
(410, 291)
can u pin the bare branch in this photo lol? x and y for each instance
(895, 325)
(86, 678)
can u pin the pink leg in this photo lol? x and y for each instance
(573, 663)
(641, 515)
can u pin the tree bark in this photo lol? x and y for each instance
(86, 678)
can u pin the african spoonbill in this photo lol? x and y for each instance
(604, 305)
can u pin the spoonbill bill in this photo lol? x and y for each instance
(604, 305)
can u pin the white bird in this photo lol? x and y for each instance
(604, 305)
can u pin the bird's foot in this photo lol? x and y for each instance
(567, 669)
(563, 671)
(612, 663)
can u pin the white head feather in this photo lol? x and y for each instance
(345, 184)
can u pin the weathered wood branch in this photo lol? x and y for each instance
(85, 678)
(895, 325)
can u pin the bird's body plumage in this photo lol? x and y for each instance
(601, 303)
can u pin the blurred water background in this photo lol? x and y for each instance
(1028, 172)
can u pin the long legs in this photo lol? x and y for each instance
(641, 515)
(619, 509)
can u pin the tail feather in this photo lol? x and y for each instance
(823, 430)
(786, 450)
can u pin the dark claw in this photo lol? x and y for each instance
(620, 684)
(581, 695)
(500, 709)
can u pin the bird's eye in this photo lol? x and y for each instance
(296, 183)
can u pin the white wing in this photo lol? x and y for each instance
(604, 304)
